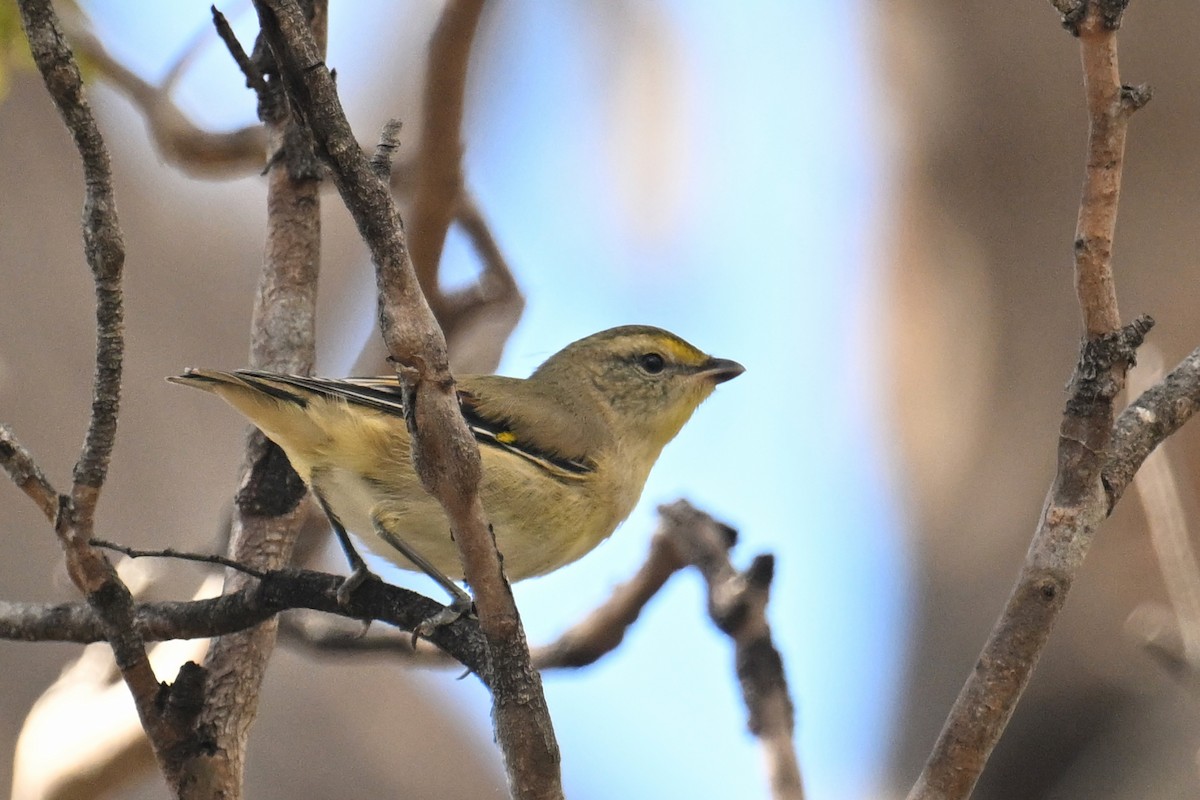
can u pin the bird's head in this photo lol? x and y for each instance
(648, 381)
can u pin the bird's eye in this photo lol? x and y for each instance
(651, 362)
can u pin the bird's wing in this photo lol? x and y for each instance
(522, 421)
(380, 394)
(516, 419)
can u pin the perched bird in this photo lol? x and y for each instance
(565, 452)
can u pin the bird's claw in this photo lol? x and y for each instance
(357, 578)
(458, 608)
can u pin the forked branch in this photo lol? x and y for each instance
(1078, 501)
(444, 453)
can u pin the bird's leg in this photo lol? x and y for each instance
(460, 603)
(358, 567)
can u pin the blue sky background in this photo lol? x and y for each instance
(736, 221)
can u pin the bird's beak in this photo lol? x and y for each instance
(719, 370)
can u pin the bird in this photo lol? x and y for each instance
(565, 453)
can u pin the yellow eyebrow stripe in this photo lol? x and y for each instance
(680, 352)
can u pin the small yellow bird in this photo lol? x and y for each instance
(565, 452)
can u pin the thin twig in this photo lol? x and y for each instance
(1109, 106)
(1148, 421)
(202, 558)
(254, 76)
(1159, 492)
(320, 637)
(187, 56)
(1156, 628)
(26, 474)
(385, 150)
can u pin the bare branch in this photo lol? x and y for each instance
(445, 455)
(279, 590)
(1077, 503)
(25, 473)
(91, 572)
(479, 319)
(1148, 421)
(601, 631)
(269, 511)
(1165, 519)
(439, 150)
(1109, 106)
(385, 150)
(180, 142)
(737, 603)
(1074, 510)
(104, 247)
(254, 76)
(200, 558)
(105, 254)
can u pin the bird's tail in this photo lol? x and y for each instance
(278, 408)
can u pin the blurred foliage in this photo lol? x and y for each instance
(14, 49)
(14, 52)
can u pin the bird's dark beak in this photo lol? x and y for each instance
(719, 370)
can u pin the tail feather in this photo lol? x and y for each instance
(211, 380)
(274, 406)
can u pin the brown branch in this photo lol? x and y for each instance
(601, 631)
(1077, 503)
(254, 77)
(737, 603)
(91, 572)
(385, 149)
(1074, 510)
(476, 321)
(596, 635)
(269, 511)
(438, 178)
(1109, 106)
(479, 319)
(1148, 421)
(193, 150)
(278, 591)
(180, 142)
(445, 455)
(593, 637)
(26, 474)
(1166, 522)
(199, 558)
